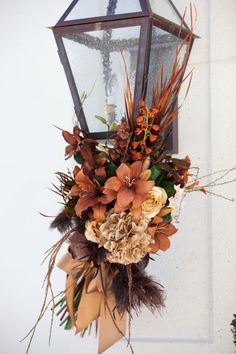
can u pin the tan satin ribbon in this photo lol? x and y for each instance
(94, 302)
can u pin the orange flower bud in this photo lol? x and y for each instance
(144, 125)
(153, 138)
(146, 164)
(135, 144)
(138, 131)
(136, 155)
(151, 115)
(139, 120)
(143, 142)
(148, 151)
(156, 127)
(155, 110)
(143, 111)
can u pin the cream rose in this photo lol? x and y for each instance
(155, 202)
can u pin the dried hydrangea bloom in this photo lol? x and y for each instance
(126, 239)
(92, 232)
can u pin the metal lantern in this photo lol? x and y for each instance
(101, 41)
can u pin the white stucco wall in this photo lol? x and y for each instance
(199, 270)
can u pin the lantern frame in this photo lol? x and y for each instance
(146, 19)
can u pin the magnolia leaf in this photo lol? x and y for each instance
(158, 180)
(111, 169)
(100, 180)
(78, 159)
(169, 188)
(167, 218)
(102, 119)
(155, 173)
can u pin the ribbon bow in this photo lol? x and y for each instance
(97, 301)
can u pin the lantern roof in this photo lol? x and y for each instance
(91, 11)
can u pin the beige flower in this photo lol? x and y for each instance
(92, 232)
(126, 239)
(155, 202)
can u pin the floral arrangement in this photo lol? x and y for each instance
(119, 208)
(117, 213)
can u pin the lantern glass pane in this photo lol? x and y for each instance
(98, 60)
(162, 57)
(94, 8)
(164, 9)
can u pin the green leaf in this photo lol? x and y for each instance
(100, 180)
(156, 172)
(111, 169)
(78, 159)
(102, 119)
(167, 218)
(159, 179)
(169, 188)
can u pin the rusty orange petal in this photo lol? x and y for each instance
(152, 230)
(109, 196)
(75, 191)
(84, 203)
(170, 230)
(113, 183)
(136, 212)
(118, 208)
(99, 212)
(69, 138)
(164, 242)
(84, 181)
(123, 171)
(69, 151)
(137, 201)
(155, 246)
(76, 171)
(101, 172)
(125, 196)
(136, 169)
(142, 187)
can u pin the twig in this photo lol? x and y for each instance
(129, 274)
(212, 193)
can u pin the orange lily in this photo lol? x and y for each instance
(161, 233)
(130, 187)
(90, 196)
(73, 140)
